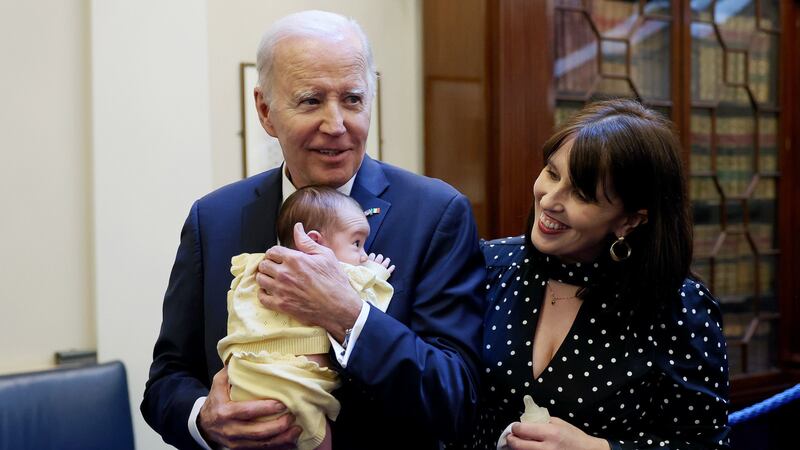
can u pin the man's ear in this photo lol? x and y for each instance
(631, 222)
(263, 108)
(315, 236)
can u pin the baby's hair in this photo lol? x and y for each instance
(316, 207)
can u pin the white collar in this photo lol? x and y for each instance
(289, 189)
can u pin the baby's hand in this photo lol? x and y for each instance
(382, 261)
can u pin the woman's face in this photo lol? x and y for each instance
(567, 225)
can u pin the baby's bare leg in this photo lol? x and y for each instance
(320, 358)
(327, 443)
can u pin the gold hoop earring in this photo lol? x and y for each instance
(615, 250)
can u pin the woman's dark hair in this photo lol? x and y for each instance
(315, 207)
(634, 152)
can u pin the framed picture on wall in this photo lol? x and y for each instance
(261, 151)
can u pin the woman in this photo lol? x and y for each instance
(594, 312)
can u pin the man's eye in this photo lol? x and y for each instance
(353, 99)
(309, 101)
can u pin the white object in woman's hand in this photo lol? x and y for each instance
(557, 434)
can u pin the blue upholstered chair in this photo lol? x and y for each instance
(81, 408)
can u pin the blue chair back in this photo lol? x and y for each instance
(82, 408)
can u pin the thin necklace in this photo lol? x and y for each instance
(553, 297)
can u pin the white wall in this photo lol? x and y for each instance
(151, 160)
(45, 231)
(394, 29)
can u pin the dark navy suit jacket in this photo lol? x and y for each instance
(411, 379)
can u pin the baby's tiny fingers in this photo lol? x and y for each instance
(378, 258)
(390, 269)
(371, 256)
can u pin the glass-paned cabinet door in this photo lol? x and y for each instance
(734, 169)
(625, 48)
(606, 49)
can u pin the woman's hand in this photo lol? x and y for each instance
(556, 435)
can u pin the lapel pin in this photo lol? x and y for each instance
(372, 211)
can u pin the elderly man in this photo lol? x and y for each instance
(408, 375)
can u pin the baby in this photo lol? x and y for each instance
(271, 355)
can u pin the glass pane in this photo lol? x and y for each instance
(614, 18)
(565, 110)
(733, 270)
(650, 53)
(706, 63)
(763, 353)
(770, 15)
(613, 61)
(736, 22)
(611, 88)
(575, 53)
(616, 30)
(569, 3)
(763, 68)
(735, 149)
(701, 10)
(760, 353)
(736, 67)
(700, 156)
(658, 7)
(767, 142)
(768, 283)
(706, 235)
(763, 214)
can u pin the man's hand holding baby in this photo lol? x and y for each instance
(309, 285)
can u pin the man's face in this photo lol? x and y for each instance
(320, 108)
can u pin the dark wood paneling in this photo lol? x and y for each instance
(682, 76)
(456, 113)
(523, 104)
(458, 117)
(493, 55)
(455, 38)
(789, 213)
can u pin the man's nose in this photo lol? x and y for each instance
(332, 121)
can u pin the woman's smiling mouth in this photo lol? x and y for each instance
(548, 225)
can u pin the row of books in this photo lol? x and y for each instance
(733, 280)
(733, 184)
(734, 244)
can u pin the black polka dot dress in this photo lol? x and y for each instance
(659, 383)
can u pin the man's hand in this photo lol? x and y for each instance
(235, 424)
(309, 285)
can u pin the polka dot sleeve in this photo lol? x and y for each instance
(688, 407)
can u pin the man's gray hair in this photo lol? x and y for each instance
(315, 24)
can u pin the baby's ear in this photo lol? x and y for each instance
(315, 236)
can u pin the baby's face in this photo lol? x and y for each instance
(348, 238)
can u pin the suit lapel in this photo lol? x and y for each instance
(368, 186)
(258, 217)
